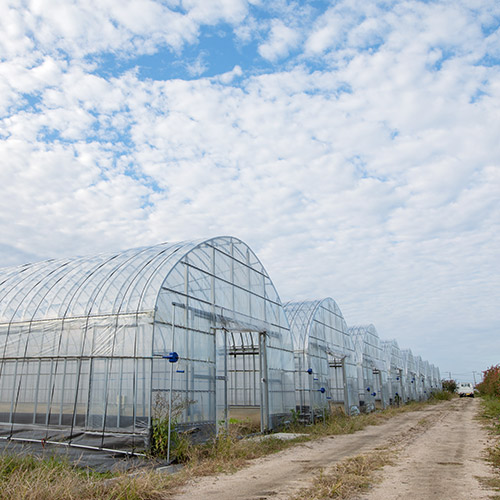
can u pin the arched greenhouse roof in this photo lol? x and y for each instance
(419, 365)
(110, 283)
(436, 374)
(302, 315)
(427, 369)
(409, 361)
(367, 344)
(393, 354)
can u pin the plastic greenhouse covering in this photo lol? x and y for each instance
(395, 371)
(410, 374)
(427, 378)
(325, 370)
(437, 378)
(89, 344)
(430, 376)
(420, 377)
(372, 371)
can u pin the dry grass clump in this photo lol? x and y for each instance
(33, 478)
(442, 396)
(228, 453)
(490, 413)
(340, 423)
(494, 455)
(347, 479)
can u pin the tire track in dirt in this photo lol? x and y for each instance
(282, 475)
(444, 462)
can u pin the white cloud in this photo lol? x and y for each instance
(282, 39)
(133, 26)
(231, 11)
(229, 76)
(326, 33)
(198, 66)
(373, 178)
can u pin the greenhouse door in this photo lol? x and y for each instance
(402, 391)
(338, 382)
(242, 386)
(379, 388)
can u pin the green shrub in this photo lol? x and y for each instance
(179, 443)
(449, 385)
(441, 395)
(490, 386)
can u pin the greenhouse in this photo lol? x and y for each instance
(325, 370)
(98, 349)
(436, 376)
(372, 372)
(430, 378)
(410, 374)
(394, 367)
(427, 379)
(420, 377)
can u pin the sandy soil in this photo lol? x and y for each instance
(444, 462)
(439, 456)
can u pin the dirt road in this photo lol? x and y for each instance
(438, 448)
(445, 461)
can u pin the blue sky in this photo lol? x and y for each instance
(352, 144)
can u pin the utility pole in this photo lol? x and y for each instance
(449, 373)
(474, 376)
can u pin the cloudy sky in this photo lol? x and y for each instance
(353, 144)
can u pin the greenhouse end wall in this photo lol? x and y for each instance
(325, 372)
(395, 369)
(372, 370)
(228, 318)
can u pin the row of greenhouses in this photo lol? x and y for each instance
(96, 351)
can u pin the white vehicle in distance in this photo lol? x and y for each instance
(465, 389)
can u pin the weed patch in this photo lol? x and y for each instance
(491, 416)
(228, 453)
(347, 479)
(491, 412)
(33, 478)
(441, 396)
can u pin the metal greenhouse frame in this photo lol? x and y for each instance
(395, 370)
(427, 379)
(325, 367)
(437, 378)
(95, 348)
(372, 372)
(410, 374)
(420, 377)
(430, 375)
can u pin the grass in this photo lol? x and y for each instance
(491, 416)
(491, 412)
(349, 478)
(442, 396)
(33, 478)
